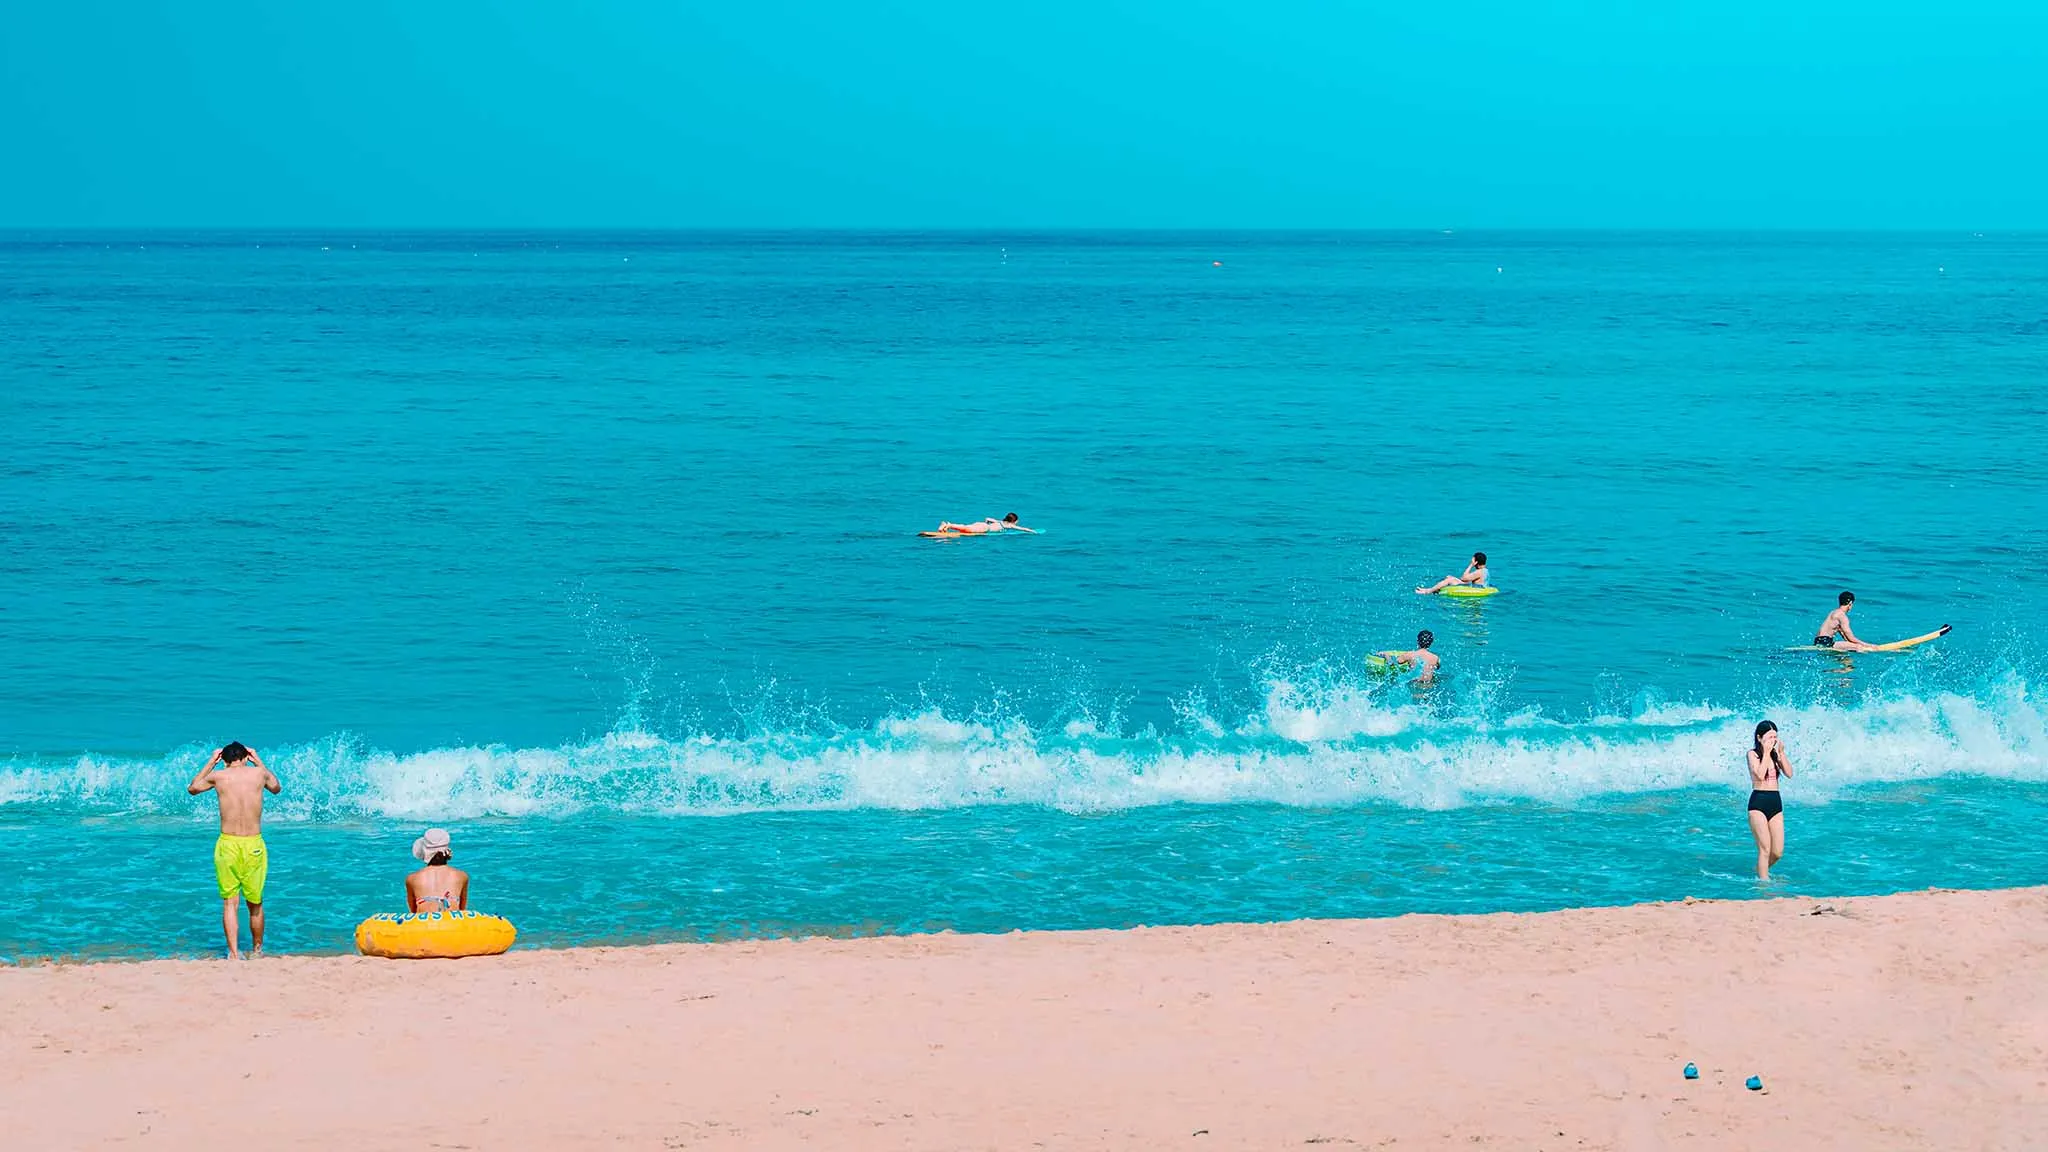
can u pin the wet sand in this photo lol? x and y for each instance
(1917, 1021)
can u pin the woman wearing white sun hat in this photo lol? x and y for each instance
(439, 887)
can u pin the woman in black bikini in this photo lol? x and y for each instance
(1767, 765)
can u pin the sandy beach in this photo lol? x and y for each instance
(1910, 1021)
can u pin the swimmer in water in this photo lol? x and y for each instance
(439, 887)
(986, 527)
(1475, 575)
(1767, 765)
(1421, 658)
(1835, 631)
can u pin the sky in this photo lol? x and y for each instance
(1051, 114)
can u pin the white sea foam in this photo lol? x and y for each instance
(1337, 747)
(1339, 712)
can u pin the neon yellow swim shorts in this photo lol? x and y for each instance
(241, 864)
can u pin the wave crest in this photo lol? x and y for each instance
(1331, 747)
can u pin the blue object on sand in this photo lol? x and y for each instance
(1754, 1083)
(1692, 1071)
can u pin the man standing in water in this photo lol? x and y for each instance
(1421, 658)
(240, 862)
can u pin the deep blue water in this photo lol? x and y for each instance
(599, 549)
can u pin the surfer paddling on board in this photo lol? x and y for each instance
(1421, 659)
(985, 527)
(1475, 575)
(1835, 631)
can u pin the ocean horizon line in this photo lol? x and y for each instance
(15, 232)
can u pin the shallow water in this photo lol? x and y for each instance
(144, 887)
(598, 548)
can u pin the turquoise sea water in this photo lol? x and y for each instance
(599, 550)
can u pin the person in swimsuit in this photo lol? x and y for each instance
(1835, 631)
(1767, 765)
(438, 887)
(1421, 658)
(983, 527)
(240, 862)
(1475, 575)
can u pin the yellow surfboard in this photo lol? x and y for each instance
(1894, 646)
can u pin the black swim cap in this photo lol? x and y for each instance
(1425, 638)
(235, 752)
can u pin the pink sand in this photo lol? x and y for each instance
(1903, 1022)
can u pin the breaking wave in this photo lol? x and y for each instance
(1334, 745)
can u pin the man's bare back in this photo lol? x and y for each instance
(1420, 658)
(240, 788)
(1834, 632)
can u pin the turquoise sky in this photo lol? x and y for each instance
(1110, 113)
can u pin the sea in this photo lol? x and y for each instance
(600, 550)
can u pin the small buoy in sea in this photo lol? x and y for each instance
(1215, 263)
(1754, 1083)
(1692, 1071)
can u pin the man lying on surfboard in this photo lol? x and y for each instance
(1421, 659)
(1475, 575)
(984, 527)
(1837, 625)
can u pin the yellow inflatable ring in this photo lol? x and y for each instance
(434, 935)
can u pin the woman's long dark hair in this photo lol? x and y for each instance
(1758, 746)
